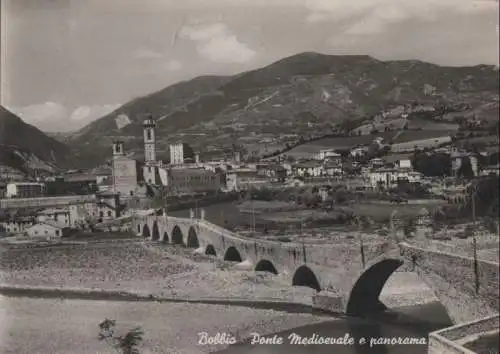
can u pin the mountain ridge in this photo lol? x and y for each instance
(25, 147)
(325, 88)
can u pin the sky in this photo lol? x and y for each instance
(68, 62)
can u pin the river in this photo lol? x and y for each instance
(412, 322)
(60, 326)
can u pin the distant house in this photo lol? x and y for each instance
(491, 170)
(59, 216)
(359, 151)
(16, 225)
(376, 163)
(332, 169)
(326, 153)
(309, 169)
(46, 229)
(403, 163)
(389, 177)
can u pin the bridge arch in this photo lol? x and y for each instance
(156, 232)
(192, 240)
(364, 295)
(232, 255)
(145, 231)
(177, 236)
(210, 251)
(165, 237)
(265, 266)
(304, 276)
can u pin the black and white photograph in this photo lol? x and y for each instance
(249, 176)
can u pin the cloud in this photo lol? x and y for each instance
(87, 114)
(147, 54)
(376, 14)
(54, 117)
(216, 43)
(42, 113)
(173, 65)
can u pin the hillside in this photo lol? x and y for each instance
(25, 147)
(306, 92)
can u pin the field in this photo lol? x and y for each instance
(309, 148)
(381, 212)
(408, 136)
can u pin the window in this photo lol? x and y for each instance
(148, 134)
(109, 213)
(131, 192)
(57, 232)
(101, 214)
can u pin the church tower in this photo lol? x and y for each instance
(118, 148)
(149, 140)
(150, 163)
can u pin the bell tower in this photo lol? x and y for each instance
(118, 148)
(149, 140)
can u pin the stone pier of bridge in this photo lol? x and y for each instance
(348, 277)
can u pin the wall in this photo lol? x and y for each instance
(453, 280)
(43, 201)
(124, 175)
(445, 341)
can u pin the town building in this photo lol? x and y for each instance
(58, 216)
(359, 151)
(24, 190)
(308, 169)
(403, 163)
(376, 163)
(181, 153)
(390, 177)
(106, 206)
(16, 225)
(491, 170)
(48, 230)
(457, 159)
(333, 168)
(126, 171)
(244, 178)
(10, 174)
(188, 181)
(326, 153)
(151, 165)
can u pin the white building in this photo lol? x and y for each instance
(403, 163)
(309, 169)
(326, 153)
(177, 154)
(48, 230)
(389, 177)
(24, 190)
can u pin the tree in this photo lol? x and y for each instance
(126, 344)
(465, 169)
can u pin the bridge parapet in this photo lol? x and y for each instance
(355, 275)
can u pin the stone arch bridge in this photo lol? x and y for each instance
(348, 278)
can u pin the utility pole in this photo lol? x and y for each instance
(474, 239)
(253, 218)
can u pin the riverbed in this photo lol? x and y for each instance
(58, 326)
